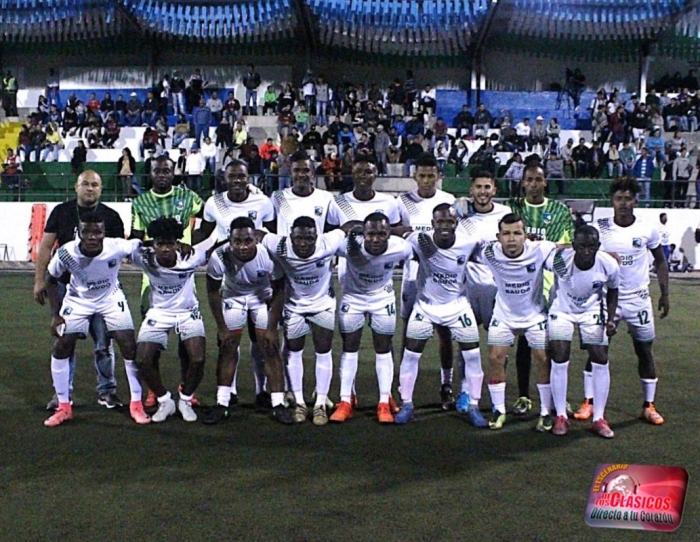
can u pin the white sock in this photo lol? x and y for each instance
(408, 373)
(256, 356)
(588, 385)
(348, 370)
(474, 374)
(559, 376)
(498, 396)
(60, 373)
(385, 375)
(446, 376)
(545, 398)
(165, 398)
(132, 375)
(324, 375)
(295, 367)
(223, 395)
(184, 397)
(277, 398)
(601, 388)
(234, 382)
(649, 388)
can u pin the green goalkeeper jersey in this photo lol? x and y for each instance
(550, 220)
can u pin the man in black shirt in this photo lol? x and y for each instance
(61, 227)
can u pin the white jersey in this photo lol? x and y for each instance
(442, 271)
(308, 280)
(352, 208)
(368, 275)
(485, 227)
(250, 281)
(631, 244)
(417, 212)
(221, 210)
(92, 279)
(664, 234)
(319, 205)
(172, 288)
(520, 297)
(576, 291)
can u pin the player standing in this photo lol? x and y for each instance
(517, 265)
(546, 220)
(247, 274)
(368, 293)
(585, 294)
(93, 263)
(632, 238)
(442, 305)
(416, 209)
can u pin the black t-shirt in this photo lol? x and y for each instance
(63, 221)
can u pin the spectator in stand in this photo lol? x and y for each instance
(301, 119)
(331, 166)
(232, 109)
(313, 141)
(94, 134)
(164, 96)
(410, 92)
(52, 144)
(538, 135)
(616, 123)
(554, 169)
(553, 131)
(673, 115)
(150, 108)
(482, 121)
(376, 96)
(413, 150)
(251, 82)
(201, 118)
(459, 156)
(346, 179)
(678, 262)
(330, 147)
(11, 168)
(284, 168)
(382, 142)
(399, 125)
(675, 143)
(287, 98)
(639, 122)
(255, 167)
(70, 121)
(508, 137)
(133, 110)
(216, 106)
(322, 98)
(308, 90)
(240, 135)
(209, 153)
(596, 163)
(395, 148)
(126, 174)
(43, 107)
(285, 121)
(397, 98)
(181, 131)
(269, 101)
(150, 140)
(38, 138)
(652, 99)
(120, 110)
(81, 113)
(177, 90)
(54, 116)
(524, 131)
(656, 121)
(93, 104)
(52, 88)
(581, 155)
(346, 139)
(163, 130)
(107, 107)
(688, 114)
(612, 159)
(566, 153)
(180, 168)
(441, 152)
(656, 147)
(365, 147)
(644, 171)
(195, 89)
(79, 158)
(628, 157)
(428, 99)
(146, 182)
(266, 150)
(224, 134)
(600, 127)
(514, 173)
(682, 172)
(194, 167)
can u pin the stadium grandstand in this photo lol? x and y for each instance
(477, 82)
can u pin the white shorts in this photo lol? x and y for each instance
(457, 316)
(591, 326)
(236, 312)
(638, 133)
(158, 322)
(298, 324)
(409, 291)
(501, 333)
(638, 313)
(114, 309)
(482, 299)
(381, 311)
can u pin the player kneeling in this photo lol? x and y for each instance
(581, 275)
(93, 263)
(174, 305)
(248, 275)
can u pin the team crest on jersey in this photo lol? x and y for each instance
(261, 273)
(597, 284)
(547, 217)
(182, 275)
(318, 211)
(151, 322)
(637, 242)
(461, 260)
(552, 316)
(389, 265)
(320, 263)
(112, 263)
(179, 204)
(228, 305)
(494, 323)
(252, 215)
(67, 311)
(344, 307)
(419, 317)
(531, 268)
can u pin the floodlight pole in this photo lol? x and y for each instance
(478, 79)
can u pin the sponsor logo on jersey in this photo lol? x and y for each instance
(461, 260)
(318, 211)
(344, 307)
(151, 322)
(531, 268)
(252, 215)
(547, 217)
(637, 242)
(112, 263)
(182, 275)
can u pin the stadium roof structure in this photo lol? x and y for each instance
(596, 29)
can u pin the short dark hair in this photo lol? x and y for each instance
(480, 173)
(375, 217)
(623, 184)
(236, 162)
(242, 222)
(511, 218)
(586, 229)
(364, 158)
(165, 227)
(304, 222)
(443, 207)
(425, 159)
(300, 155)
(92, 217)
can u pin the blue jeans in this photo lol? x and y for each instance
(179, 103)
(200, 129)
(251, 102)
(104, 352)
(284, 182)
(646, 187)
